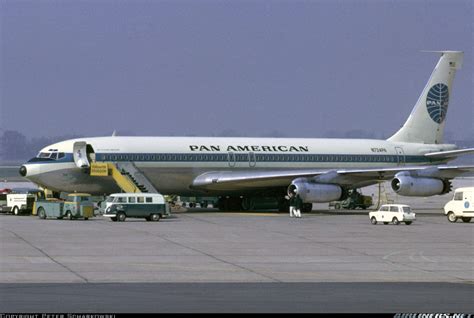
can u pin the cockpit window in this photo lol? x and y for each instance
(44, 155)
(55, 155)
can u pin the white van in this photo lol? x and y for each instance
(461, 206)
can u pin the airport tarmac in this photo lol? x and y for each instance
(208, 261)
(431, 260)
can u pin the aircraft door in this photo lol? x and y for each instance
(400, 156)
(231, 159)
(80, 154)
(252, 159)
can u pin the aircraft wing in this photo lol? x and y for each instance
(233, 180)
(258, 179)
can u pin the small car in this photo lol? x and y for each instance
(394, 213)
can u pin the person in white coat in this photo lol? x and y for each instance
(298, 206)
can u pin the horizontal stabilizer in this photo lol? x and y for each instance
(450, 153)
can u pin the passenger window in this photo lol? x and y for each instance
(131, 199)
(61, 155)
(394, 209)
(149, 200)
(458, 196)
(54, 156)
(121, 199)
(140, 200)
(384, 208)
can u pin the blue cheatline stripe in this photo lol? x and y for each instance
(242, 157)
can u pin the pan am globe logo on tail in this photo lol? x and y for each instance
(437, 102)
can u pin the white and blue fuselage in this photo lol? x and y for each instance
(173, 163)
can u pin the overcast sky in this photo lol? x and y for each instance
(302, 68)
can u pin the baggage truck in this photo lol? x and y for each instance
(21, 201)
(76, 206)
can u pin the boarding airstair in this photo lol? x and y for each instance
(125, 174)
(138, 178)
(384, 196)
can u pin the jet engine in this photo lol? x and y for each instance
(419, 187)
(315, 192)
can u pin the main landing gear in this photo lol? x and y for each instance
(233, 204)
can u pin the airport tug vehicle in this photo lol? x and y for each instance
(150, 206)
(461, 206)
(76, 206)
(394, 213)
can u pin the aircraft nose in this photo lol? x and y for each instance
(23, 171)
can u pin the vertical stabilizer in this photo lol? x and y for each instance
(427, 119)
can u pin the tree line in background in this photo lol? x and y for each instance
(16, 147)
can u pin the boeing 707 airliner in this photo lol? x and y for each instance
(243, 171)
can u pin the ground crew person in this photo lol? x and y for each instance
(292, 200)
(298, 206)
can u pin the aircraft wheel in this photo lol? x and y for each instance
(69, 215)
(235, 204)
(452, 217)
(16, 211)
(395, 221)
(466, 219)
(248, 204)
(373, 220)
(222, 204)
(307, 207)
